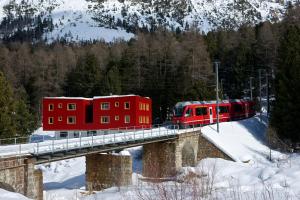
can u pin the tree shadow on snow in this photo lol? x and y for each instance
(72, 183)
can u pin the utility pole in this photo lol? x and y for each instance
(259, 74)
(267, 91)
(251, 97)
(217, 92)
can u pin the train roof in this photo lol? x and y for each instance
(185, 103)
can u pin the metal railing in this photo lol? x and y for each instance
(48, 145)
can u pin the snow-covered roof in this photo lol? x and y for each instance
(96, 97)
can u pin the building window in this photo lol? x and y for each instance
(117, 118)
(104, 120)
(71, 106)
(147, 107)
(60, 105)
(105, 106)
(50, 120)
(127, 119)
(60, 118)
(51, 107)
(117, 104)
(63, 134)
(76, 134)
(140, 119)
(147, 119)
(127, 105)
(71, 120)
(141, 106)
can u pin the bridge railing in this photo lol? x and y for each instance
(68, 144)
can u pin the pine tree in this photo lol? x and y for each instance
(7, 105)
(285, 116)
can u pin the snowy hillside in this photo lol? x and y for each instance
(111, 19)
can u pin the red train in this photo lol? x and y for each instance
(195, 113)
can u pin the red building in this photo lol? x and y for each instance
(98, 113)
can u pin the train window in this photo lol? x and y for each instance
(104, 119)
(105, 106)
(223, 109)
(91, 133)
(51, 107)
(50, 120)
(238, 108)
(178, 111)
(188, 113)
(201, 111)
(71, 120)
(117, 104)
(127, 105)
(60, 105)
(60, 118)
(71, 106)
(117, 118)
(127, 119)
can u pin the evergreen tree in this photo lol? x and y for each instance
(7, 105)
(285, 116)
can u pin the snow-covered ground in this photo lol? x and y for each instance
(252, 176)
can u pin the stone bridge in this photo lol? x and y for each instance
(161, 159)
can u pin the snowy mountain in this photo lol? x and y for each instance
(109, 19)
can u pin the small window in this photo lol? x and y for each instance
(117, 104)
(201, 111)
(127, 105)
(91, 133)
(147, 107)
(51, 107)
(141, 106)
(117, 118)
(63, 134)
(140, 119)
(50, 120)
(147, 119)
(71, 120)
(60, 105)
(222, 109)
(60, 118)
(105, 106)
(210, 111)
(71, 106)
(76, 134)
(188, 113)
(127, 119)
(104, 119)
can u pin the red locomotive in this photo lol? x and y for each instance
(195, 113)
(71, 115)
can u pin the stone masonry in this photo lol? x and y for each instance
(165, 159)
(19, 174)
(106, 170)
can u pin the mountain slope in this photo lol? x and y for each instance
(108, 19)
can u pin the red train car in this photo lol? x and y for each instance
(98, 113)
(197, 113)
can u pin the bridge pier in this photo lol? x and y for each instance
(17, 174)
(165, 159)
(107, 170)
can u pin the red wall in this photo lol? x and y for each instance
(80, 113)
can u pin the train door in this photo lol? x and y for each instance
(211, 119)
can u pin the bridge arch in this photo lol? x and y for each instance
(188, 153)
